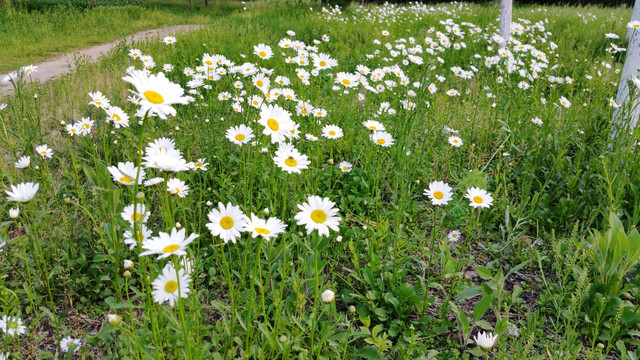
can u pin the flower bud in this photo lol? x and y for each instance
(328, 296)
(265, 211)
(339, 238)
(128, 264)
(283, 338)
(126, 274)
(13, 213)
(114, 320)
(140, 195)
(352, 309)
(178, 225)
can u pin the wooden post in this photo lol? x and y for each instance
(505, 20)
(625, 117)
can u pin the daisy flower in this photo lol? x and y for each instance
(118, 116)
(485, 340)
(332, 132)
(226, 222)
(177, 187)
(23, 192)
(23, 162)
(200, 164)
(310, 137)
(455, 141)
(564, 102)
(153, 181)
(290, 159)
(263, 51)
(12, 325)
(382, 138)
(277, 123)
(126, 173)
(268, 229)
(68, 342)
(98, 100)
(479, 198)
(85, 125)
(374, 125)
(165, 245)
(141, 214)
(537, 121)
(345, 166)
(156, 92)
(439, 193)
(240, 134)
(318, 214)
(142, 235)
(169, 40)
(44, 151)
(171, 285)
(454, 235)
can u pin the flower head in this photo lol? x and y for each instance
(318, 214)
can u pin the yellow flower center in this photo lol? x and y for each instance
(136, 216)
(198, 164)
(126, 180)
(373, 127)
(346, 81)
(262, 54)
(318, 216)
(332, 133)
(98, 102)
(259, 83)
(262, 231)
(209, 62)
(170, 248)
(153, 97)
(304, 111)
(323, 63)
(478, 200)
(240, 137)
(273, 124)
(454, 235)
(13, 325)
(170, 286)
(226, 222)
(438, 195)
(345, 168)
(43, 152)
(381, 141)
(291, 162)
(116, 117)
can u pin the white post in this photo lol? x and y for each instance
(635, 16)
(626, 116)
(505, 20)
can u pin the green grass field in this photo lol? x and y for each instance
(33, 36)
(535, 244)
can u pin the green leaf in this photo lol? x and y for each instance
(369, 353)
(481, 307)
(468, 293)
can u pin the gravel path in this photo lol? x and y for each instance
(65, 63)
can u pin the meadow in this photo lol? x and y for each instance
(318, 182)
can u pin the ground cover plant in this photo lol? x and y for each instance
(328, 183)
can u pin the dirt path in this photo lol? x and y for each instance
(64, 64)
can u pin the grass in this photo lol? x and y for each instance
(31, 37)
(521, 268)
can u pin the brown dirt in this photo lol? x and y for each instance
(65, 63)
